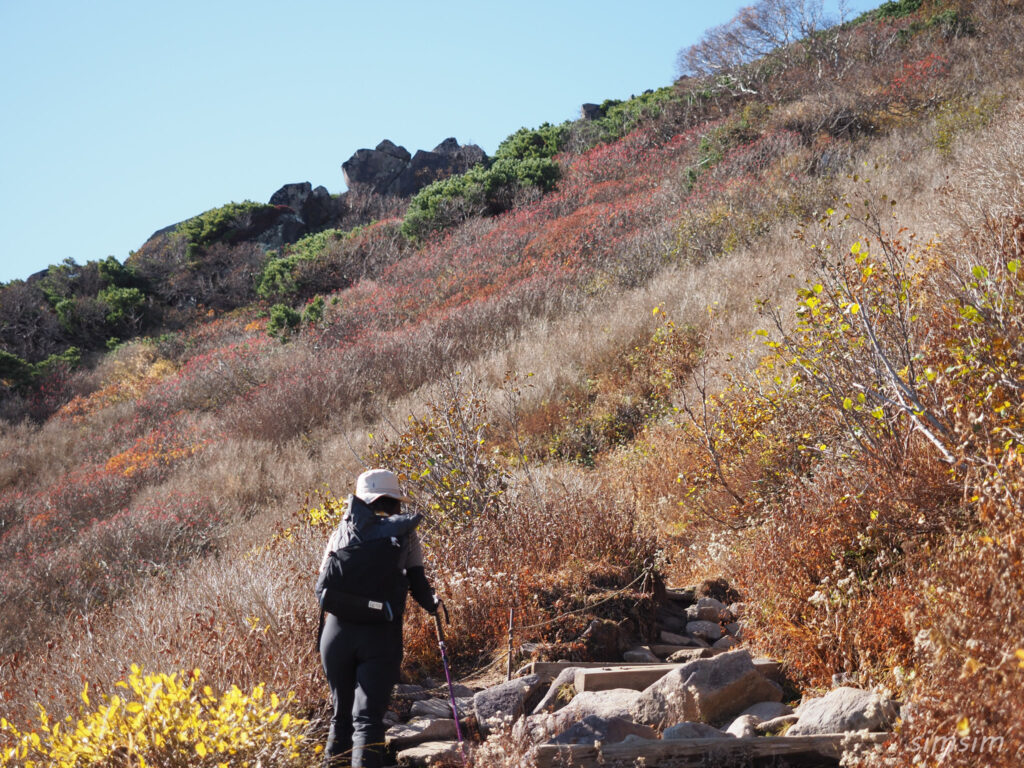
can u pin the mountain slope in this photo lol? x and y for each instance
(178, 491)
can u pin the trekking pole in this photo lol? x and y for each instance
(448, 675)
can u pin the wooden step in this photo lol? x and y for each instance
(683, 752)
(639, 676)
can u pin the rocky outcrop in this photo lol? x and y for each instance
(315, 207)
(389, 169)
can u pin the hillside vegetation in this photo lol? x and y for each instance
(763, 324)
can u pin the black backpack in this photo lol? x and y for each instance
(361, 582)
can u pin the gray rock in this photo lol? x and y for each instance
(606, 730)
(725, 643)
(672, 638)
(744, 726)
(735, 629)
(776, 724)
(708, 631)
(664, 651)
(844, 709)
(550, 701)
(690, 730)
(709, 609)
(461, 691)
(418, 730)
(431, 753)
(737, 610)
(440, 708)
(640, 655)
(768, 710)
(591, 112)
(770, 668)
(682, 640)
(616, 702)
(505, 701)
(706, 690)
(689, 654)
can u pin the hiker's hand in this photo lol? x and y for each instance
(437, 604)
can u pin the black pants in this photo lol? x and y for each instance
(362, 663)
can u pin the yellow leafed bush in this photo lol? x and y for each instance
(164, 720)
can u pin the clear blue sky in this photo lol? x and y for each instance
(120, 118)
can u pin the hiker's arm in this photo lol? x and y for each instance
(418, 584)
(420, 588)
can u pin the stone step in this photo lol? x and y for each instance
(431, 753)
(419, 730)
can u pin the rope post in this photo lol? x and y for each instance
(508, 665)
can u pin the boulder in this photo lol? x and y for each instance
(591, 112)
(708, 631)
(640, 655)
(605, 705)
(431, 753)
(505, 701)
(844, 709)
(707, 609)
(770, 668)
(616, 702)
(706, 690)
(725, 643)
(744, 726)
(690, 730)
(605, 730)
(418, 730)
(441, 708)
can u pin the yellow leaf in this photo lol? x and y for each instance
(1020, 656)
(201, 749)
(963, 727)
(85, 694)
(970, 667)
(855, 248)
(655, 311)
(854, 308)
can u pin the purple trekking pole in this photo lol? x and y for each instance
(448, 675)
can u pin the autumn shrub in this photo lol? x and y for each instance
(161, 719)
(498, 540)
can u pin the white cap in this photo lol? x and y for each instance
(373, 484)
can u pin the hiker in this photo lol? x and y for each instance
(361, 654)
